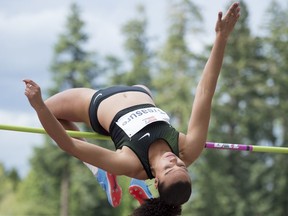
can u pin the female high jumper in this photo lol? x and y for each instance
(147, 146)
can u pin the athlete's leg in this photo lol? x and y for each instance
(109, 184)
(72, 106)
(107, 181)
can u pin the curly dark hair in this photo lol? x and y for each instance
(157, 207)
(168, 203)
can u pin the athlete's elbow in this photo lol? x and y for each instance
(192, 153)
(204, 91)
(66, 149)
(66, 146)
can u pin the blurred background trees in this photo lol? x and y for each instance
(250, 107)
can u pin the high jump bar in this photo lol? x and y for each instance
(208, 145)
(79, 134)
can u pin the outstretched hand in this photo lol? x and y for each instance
(33, 93)
(225, 25)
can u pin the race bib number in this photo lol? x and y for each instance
(134, 121)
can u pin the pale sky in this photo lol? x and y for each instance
(30, 28)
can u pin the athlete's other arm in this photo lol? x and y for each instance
(201, 109)
(92, 154)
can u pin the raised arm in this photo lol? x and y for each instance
(92, 154)
(201, 109)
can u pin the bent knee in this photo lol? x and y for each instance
(71, 105)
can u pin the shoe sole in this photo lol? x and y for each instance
(115, 191)
(138, 193)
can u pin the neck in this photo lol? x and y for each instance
(156, 150)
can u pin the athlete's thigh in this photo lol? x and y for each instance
(71, 104)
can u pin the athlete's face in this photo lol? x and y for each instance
(171, 169)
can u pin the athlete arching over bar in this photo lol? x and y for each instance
(147, 146)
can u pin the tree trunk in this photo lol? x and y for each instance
(64, 196)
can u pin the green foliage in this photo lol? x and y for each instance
(250, 107)
(138, 53)
(243, 112)
(174, 78)
(9, 181)
(73, 66)
(54, 170)
(276, 41)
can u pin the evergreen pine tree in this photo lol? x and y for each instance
(136, 46)
(54, 169)
(241, 114)
(72, 65)
(175, 75)
(276, 39)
